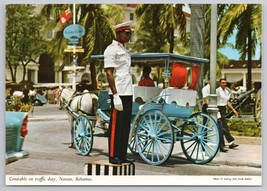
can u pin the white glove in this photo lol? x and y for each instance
(117, 102)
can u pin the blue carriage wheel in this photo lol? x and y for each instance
(200, 138)
(154, 137)
(83, 135)
(132, 142)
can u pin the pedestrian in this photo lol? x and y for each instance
(25, 91)
(146, 80)
(117, 64)
(223, 102)
(205, 94)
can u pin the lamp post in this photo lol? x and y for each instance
(212, 107)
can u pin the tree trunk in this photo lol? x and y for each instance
(24, 71)
(93, 75)
(197, 30)
(171, 40)
(197, 35)
(15, 73)
(249, 62)
(11, 71)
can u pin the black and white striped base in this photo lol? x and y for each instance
(103, 167)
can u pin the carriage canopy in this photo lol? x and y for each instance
(180, 67)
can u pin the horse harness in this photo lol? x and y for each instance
(79, 102)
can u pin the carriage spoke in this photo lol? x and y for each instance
(164, 140)
(162, 144)
(194, 148)
(162, 126)
(164, 133)
(149, 148)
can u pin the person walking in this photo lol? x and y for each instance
(223, 102)
(205, 94)
(117, 64)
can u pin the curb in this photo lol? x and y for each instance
(248, 140)
(47, 119)
(235, 163)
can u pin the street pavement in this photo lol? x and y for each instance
(249, 152)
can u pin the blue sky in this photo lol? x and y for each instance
(231, 53)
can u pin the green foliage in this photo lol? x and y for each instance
(246, 20)
(14, 104)
(98, 21)
(155, 27)
(24, 42)
(243, 127)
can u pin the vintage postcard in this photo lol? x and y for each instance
(133, 94)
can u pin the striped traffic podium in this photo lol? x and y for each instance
(103, 167)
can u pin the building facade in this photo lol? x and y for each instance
(236, 71)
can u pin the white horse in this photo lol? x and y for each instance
(80, 103)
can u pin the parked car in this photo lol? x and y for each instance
(16, 131)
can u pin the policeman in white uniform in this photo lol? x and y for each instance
(117, 64)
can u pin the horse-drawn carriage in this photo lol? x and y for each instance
(160, 116)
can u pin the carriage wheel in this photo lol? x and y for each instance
(132, 145)
(200, 138)
(132, 142)
(258, 110)
(83, 135)
(154, 137)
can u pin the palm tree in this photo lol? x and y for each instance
(246, 20)
(98, 21)
(156, 26)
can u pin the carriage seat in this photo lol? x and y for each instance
(179, 102)
(141, 94)
(182, 97)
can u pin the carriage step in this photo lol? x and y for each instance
(103, 167)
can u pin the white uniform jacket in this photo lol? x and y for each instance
(117, 56)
